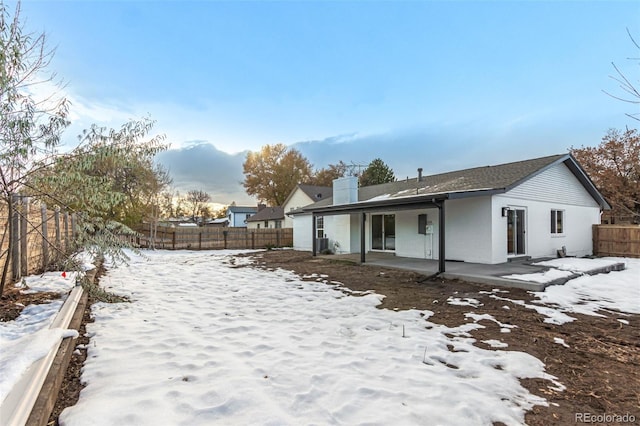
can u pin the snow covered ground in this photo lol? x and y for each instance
(616, 292)
(207, 342)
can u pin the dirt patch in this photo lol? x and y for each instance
(13, 301)
(600, 368)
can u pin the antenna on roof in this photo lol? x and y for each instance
(351, 169)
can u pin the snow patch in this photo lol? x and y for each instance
(208, 343)
(465, 301)
(560, 341)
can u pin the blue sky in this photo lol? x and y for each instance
(493, 81)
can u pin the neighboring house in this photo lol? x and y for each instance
(217, 223)
(175, 221)
(301, 196)
(238, 215)
(491, 214)
(267, 217)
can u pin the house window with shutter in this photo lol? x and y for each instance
(557, 221)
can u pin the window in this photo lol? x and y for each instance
(258, 226)
(278, 224)
(319, 227)
(557, 221)
(266, 223)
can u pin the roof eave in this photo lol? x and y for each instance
(586, 181)
(391, 203)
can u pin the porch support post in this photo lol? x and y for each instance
(313, 236)
(363, 219)
(441, 256)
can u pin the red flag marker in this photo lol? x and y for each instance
(64, 275)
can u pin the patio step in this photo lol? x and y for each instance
(519, 259)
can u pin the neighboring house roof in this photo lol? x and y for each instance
(217, 221)
(268, 213)
(315, 193)
(462, 183)
(242, 209)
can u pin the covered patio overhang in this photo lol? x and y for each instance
(385, 205)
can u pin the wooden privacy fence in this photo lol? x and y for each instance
(616, 240)
(40, 237)
(203, 238)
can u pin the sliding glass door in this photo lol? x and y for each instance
(515, 232)
(383, 232)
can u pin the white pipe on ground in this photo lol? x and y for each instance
(17, 406)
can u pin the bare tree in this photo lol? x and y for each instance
(632, 93)
(196, 200)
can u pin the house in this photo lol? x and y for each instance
(492, 214)
(217, 223)
(303, 195)
(267, 217)
(238, 215)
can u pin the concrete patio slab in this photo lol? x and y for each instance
(472, 272)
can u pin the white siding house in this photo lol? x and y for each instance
(532, 208)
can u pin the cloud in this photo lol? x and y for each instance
(200, 165)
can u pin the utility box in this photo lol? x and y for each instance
(322, 244)
(422, 224)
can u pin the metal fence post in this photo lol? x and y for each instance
(15, 237)
(66, 231)
(74, 227)
(45, 237)
(24, 250)
(56, 217)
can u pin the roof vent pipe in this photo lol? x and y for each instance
(420, 174)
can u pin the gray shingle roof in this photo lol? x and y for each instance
(503, 176)
(316, 193)
(268, 213)
(498, 178)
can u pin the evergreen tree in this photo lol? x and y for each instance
(377, 172)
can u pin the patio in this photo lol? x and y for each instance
(472, 272)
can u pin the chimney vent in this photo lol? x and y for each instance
(420, 174)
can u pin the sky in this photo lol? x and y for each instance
(464, 83)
